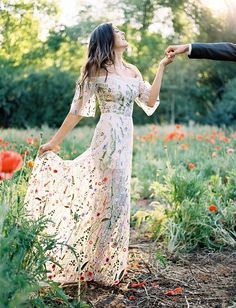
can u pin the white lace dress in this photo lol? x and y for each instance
(88, 198)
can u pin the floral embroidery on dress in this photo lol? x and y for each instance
(88, 198)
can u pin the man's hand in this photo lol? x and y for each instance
(174, 50)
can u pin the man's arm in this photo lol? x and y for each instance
(213, 51)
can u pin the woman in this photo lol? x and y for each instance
(88, 198)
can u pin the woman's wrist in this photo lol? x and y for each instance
(53, 142)
(161, 65)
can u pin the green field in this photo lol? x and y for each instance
(184, 176)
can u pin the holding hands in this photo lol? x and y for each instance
(167, 60)
(173, 50)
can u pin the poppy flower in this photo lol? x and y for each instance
(131, 297)
(137, 284)
(30, 140)
(212, 208)
(184, 146)
(199, 137)
(174, 292)
(10, 162)
(191, 166)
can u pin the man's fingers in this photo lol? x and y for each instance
(170, 49)
(171, 54)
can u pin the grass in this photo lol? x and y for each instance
(182, 171)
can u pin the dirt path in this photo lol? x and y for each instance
(204, 279)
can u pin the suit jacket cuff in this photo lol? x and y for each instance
(189, 49)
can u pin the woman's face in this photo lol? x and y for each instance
(119, 37)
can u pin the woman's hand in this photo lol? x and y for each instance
(167, 60)
(48, 147)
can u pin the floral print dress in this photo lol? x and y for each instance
(88, 198)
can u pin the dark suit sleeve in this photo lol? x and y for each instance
(214, 51)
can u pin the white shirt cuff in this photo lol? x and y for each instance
(189, 49)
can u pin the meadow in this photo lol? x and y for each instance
(184, 178)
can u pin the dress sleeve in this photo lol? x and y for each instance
(84, 101)
(143, 95)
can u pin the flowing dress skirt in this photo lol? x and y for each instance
(88, 202)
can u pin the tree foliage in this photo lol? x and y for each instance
(39, 74)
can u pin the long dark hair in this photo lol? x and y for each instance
(100, 52)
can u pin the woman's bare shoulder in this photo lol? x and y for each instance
(135, 70)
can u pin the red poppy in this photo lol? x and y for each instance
(132, 297)
(191, 166)
(212, 208)
(30, 140)
(174, 292)
(199, 137)
(10, 161)
(137, 284)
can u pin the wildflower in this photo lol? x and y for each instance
(184, 146)
(230, 151)
(171, 136)
(225, 139)
(105, 179)
(10, 162)
(199, 137)
(137, 284)
(155, 285)
(30, 163)
(30, 140)
(177, 126)
(131, 297)
(174, 292)
(90, 274)
(212, 208)
(191, 166)
(213, 154)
